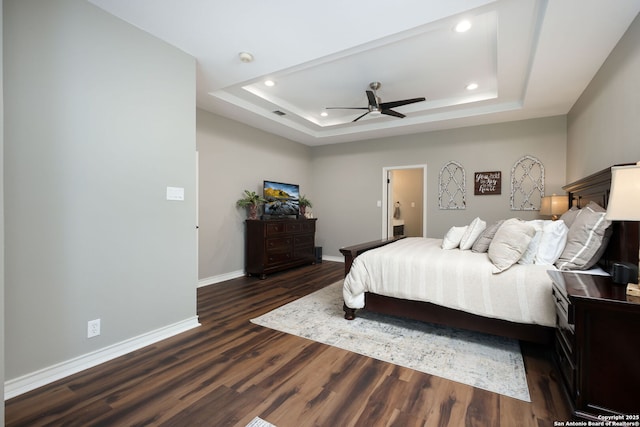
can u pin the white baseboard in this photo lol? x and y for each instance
(235, 274)
(25, 383)
(220, 278)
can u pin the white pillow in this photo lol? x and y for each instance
(452, 238)
(509, 243)
(529, 255)
(554, 239)
(474, 230)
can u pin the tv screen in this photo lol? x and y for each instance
(282, 199)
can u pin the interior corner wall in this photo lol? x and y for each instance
(604, 124)
(348, 177)
(1, 220)
(99, 120)
(234, 157)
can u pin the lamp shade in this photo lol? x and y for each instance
(553, 205)
(624, 199)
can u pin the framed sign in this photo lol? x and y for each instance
(487, 183)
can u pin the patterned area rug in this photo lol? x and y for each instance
(485, 361)
(259, 422)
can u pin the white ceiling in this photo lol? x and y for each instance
(530, 58)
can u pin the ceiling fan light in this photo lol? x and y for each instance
(245, 57)
(462, 26)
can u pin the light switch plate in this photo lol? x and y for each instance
(175, 193)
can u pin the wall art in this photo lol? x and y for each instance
(527, 184)
(452, 186)
(485, 183)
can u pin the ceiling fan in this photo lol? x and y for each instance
(376, 107)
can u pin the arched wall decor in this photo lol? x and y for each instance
(527, 184)
(452, 191)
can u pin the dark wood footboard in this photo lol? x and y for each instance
(351, 252)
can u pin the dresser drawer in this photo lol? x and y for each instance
(565, 329)
(303, 241)
(563, 307)
(278, 258)
(309, 226)
(566, 365)
(294, 227)
(279, 244)
(275, 228)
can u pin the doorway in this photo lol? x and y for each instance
(404, 201)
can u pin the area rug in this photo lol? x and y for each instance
(259, 422)
(480, 360)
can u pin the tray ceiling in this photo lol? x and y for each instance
(528, 59)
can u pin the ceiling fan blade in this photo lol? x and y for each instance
(394, 104)
(372, 98)
(359, 117)
(393, 113)
(346, 108)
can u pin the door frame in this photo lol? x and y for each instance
(385, 197)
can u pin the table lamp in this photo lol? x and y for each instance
(553, 206)
(624, 202)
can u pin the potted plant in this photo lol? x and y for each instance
(304, 203)
(251, 200)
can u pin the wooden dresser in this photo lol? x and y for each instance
(277, 244)
(596, 345)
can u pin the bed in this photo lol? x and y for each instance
(460, 288)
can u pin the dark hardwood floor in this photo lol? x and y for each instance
(229, 370)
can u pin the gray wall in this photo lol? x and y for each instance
(234, 157)
(99, 120)
(348, 177)
(604, 125)
(1, 220)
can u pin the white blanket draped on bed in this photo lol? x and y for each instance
(418, 268)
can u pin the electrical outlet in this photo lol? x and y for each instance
(93, 328)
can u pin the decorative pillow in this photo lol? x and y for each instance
(552, 243)
(509, 243)
(474, 230)
(484, 240)
(586, 240)
(529, 255)
(596, 207)
(569, 216)
(452, 238)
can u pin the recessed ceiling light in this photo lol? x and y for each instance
(463, 26)
(245, 57)
(324, 114)
(269, 83)
(472, 86)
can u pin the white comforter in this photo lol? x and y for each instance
(418, 268)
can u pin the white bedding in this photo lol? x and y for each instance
(418, 268)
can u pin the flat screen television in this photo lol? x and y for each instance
(282, 199)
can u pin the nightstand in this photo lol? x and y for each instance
(597, 344)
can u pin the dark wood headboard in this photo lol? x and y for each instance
(623, 245)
